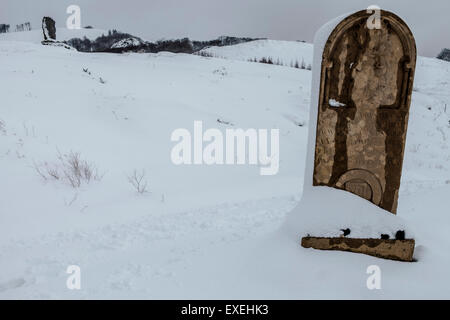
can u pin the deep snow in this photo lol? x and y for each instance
(201, 231)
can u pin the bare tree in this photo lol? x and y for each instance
(138, 181)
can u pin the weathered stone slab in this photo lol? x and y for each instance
(401, 250)
(365, 94)
(48, 28)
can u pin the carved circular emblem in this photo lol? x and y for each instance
(362, 183)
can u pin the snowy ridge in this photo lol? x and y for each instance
(281, 52)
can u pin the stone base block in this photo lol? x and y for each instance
(401, 250)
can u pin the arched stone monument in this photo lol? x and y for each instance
(361, 93)
(365, 94)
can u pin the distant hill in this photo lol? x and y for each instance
(118, 42)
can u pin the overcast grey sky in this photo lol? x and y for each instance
(206, 19)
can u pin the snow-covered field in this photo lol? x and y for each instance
(201, 231)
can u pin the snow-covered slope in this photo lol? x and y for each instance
(62, 34)
(200, 231)
(282, 52)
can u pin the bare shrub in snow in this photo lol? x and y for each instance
(69, 168)
(39, 170)
(77, 170)
(138, 181)
(53, 173)
(204, 54)
(221, 71)
(279, 62)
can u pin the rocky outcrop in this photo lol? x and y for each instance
(128, 43)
